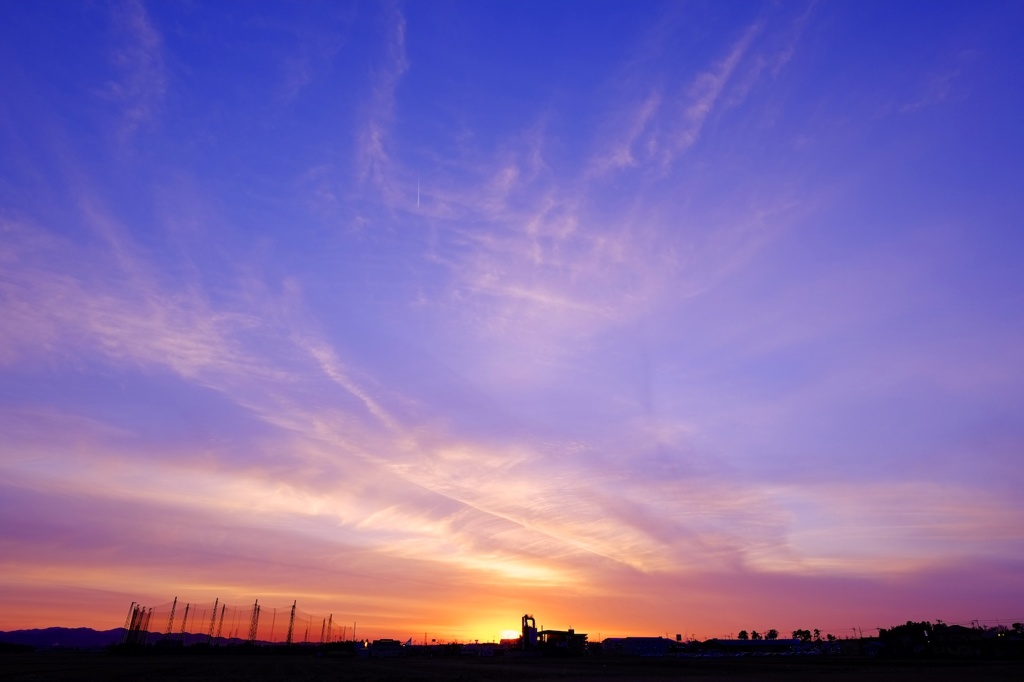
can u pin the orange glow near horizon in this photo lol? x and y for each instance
(758, 604)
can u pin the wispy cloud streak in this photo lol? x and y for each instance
(374, 159)
(139, 61)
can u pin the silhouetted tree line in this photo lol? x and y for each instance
(755, 635)
(802, 635)
(924, 639)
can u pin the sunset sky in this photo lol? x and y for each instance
(643, 318)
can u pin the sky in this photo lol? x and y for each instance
(644, 318)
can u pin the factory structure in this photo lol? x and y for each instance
(548, 642)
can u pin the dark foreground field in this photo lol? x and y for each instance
(105, 666)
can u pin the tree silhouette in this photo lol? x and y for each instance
(743, 635)
(755, 635)
(802, 635)
(772, 634)
(817, 635)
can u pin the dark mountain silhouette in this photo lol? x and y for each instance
(87, 638)
(76, 638)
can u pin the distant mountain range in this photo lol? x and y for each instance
(77, 638)
(87, 638)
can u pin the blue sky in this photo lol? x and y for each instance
(435, 313)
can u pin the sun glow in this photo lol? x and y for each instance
(509, 634)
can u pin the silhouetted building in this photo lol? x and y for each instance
(562, 642)
(757, 646)
(386, 648)
(640, 646)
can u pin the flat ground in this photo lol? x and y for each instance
(255, 666)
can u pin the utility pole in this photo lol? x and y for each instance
(184, 622)
(170, 621)
(127, 622)
(143, 628)
(220, 623)
(139, 627)
(291, 623)
(213, 620)
(254, 622)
